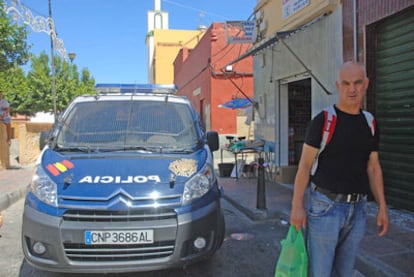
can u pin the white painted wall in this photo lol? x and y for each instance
(319, 46)
(42, 117)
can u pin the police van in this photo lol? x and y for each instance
(125, 183)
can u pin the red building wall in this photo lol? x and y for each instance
(200, 76)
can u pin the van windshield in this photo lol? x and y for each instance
(116, 125)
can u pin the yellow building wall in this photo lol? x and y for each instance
(270, 12)
(167, 44)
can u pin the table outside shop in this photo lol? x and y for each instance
(240, 151)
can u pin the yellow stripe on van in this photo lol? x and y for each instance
(60, 167)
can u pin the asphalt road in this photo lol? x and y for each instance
(250, 249)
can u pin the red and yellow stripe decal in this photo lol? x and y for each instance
(59, 167)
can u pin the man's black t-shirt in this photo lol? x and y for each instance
(342, 165)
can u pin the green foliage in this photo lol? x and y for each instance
(68, 84)
(35, 91)
(39, 85)
(14, 50)
(14, 86)
(32, 93)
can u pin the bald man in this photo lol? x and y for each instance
(348, 169)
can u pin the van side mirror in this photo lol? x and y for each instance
(213, 140)
(43, 139)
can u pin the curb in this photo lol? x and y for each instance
(255, 214)
(12, 197)
(370, 266)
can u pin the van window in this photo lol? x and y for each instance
(109, 124)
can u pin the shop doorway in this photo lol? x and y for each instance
(299, 103)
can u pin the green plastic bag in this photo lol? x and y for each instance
(293, 259)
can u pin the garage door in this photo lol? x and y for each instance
(395, 106)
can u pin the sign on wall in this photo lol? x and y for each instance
(290, 7)
(246, 34)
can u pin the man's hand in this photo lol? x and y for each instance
(298, 217)
(297, 213)
(382, 222)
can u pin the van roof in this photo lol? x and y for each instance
(137, 88)
(132, 97)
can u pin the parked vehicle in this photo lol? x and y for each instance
(125, 183)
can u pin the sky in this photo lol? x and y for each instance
(108, 36)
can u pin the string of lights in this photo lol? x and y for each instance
(39, 24)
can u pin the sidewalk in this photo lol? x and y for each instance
(387, 256)
(14, 181)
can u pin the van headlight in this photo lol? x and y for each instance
(43, 187)
(198, 185)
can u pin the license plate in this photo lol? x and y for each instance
(119, 237)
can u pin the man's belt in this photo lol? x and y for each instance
(339, 197)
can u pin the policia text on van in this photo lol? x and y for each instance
(125, 183)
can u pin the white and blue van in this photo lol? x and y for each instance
(125, 183)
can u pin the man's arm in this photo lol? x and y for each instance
(376, 183)
(297, 214)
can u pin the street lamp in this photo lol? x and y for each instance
(72, 56)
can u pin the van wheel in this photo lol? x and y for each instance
(221, 229)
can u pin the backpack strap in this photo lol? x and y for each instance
(327, 133)
(329, 128)
(371, 121)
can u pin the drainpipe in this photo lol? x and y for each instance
(278, 136)
(355, 4)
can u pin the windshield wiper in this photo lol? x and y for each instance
(128, 148)
(74, 149)
(179, 150)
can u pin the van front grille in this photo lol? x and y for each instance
(118, 216)
(132, 252)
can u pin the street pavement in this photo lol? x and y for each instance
(390, 255)
(386, 256)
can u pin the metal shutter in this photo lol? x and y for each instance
(395, 106)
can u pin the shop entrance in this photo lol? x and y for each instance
(299, 103)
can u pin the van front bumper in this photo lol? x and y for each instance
(66, 251)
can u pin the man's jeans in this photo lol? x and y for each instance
(334, 231)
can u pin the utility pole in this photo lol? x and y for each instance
(52, 49)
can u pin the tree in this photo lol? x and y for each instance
(87, 83)
(14, 50)
(14, 85)
(33, 93)
(68, 84)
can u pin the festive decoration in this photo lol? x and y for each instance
(39, 24)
